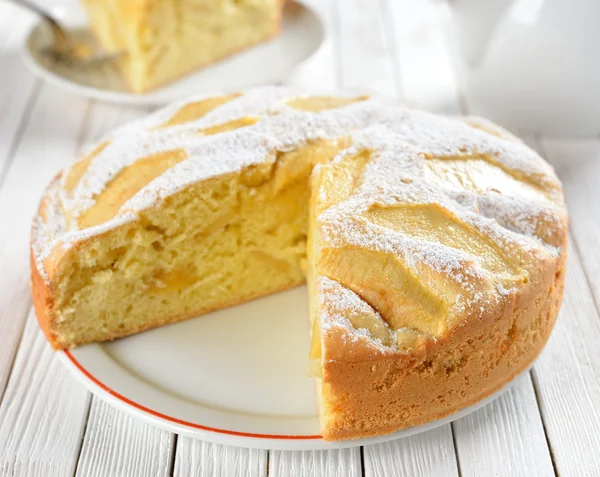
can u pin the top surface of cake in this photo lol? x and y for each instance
(468, 213)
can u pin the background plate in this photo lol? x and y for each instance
(237, 376)
(274, 61)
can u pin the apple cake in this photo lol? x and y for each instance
(433, 247)
(164, 40)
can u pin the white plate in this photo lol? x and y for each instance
(237, 376)
(274, 61)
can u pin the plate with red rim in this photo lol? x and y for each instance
(238, 376)
(274, 61)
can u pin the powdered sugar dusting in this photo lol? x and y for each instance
(338, 304)
(527, 228)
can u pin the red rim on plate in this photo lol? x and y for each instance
(154, 413)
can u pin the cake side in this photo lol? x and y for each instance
(43, 304)
(379, 395)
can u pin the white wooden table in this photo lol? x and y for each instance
(547, 424)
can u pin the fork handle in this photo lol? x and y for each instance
(61, 39)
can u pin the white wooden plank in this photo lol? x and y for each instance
(511, 426)
(333, 463)
(567, 377)
(363, 53)
(578, 166)
(17, 86)
(48, 143)
(427, 75)
(120, 445)
(203, 459)
(43, 413)
(428, 454)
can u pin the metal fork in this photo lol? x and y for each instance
(73, 48)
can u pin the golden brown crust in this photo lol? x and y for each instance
(41, 290)
(43, 303)
(374, 397)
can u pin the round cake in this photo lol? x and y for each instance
(434, 247)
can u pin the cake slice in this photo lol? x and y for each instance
(164, 40)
